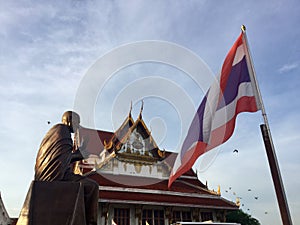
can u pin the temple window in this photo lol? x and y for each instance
(153, 217)
(206, 216)
(122, 216)
(183, 216)
(186, 216)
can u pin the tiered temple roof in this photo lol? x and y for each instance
(138, 171)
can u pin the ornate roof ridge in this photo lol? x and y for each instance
(198, 187)
(127, 123)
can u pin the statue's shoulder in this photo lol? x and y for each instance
(59, 129)
(60, 126)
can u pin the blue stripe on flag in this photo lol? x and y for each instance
(239, 74)
(195, 132)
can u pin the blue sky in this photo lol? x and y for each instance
(48, 48)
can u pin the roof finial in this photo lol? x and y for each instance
(219, 190)
(142, 107)
(129, 114)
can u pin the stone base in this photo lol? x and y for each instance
(53, 203)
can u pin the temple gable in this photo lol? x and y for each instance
(134, 152)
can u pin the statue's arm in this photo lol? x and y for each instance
(76, 156)
(81, 152)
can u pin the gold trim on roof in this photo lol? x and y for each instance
(124, 132)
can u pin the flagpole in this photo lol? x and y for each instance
(268, 142)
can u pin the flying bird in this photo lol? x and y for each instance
(48, 122)
(235, 151)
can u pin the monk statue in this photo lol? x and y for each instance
(55, 157)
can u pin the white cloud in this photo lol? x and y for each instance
(288, 67)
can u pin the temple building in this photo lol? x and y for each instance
(4, 217)
(133, 172)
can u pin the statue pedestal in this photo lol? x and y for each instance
(53, 203)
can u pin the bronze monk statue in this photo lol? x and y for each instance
(54, 159)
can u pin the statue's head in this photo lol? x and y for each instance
(71, 119)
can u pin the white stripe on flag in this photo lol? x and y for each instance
(240, 53)
(225, 114)
(210, 109)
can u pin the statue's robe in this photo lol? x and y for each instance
(54, 155)
(52, 198)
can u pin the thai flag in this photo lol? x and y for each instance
(232, 93)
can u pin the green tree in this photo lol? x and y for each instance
(240, 217)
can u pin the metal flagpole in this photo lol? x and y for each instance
(267, 138)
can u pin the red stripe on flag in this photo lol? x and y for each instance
(188, 160)
(223, 133)
(227, 65)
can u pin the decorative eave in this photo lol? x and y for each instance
(139, 190)
(124, 132)
(162, 203)
(166, 199)
(96, 139)
(118, 136)
(137, 123)
(136, 158)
